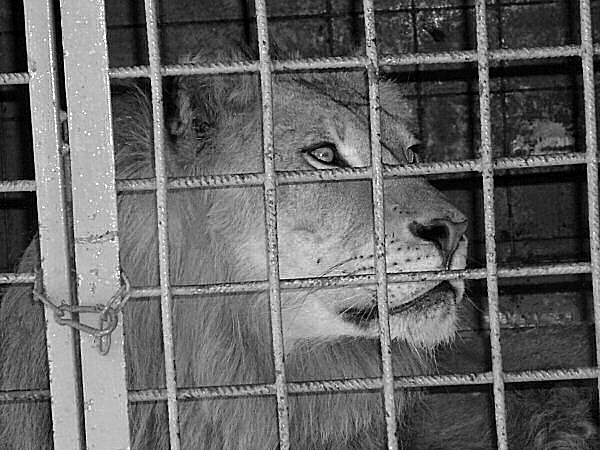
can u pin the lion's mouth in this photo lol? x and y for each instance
(440, 294)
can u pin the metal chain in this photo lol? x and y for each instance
(108, 315)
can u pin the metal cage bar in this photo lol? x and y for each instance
(312, 176)
(347, 385)
(16, 278)
(489, 221)
(358, 173)
(270, 179)
(13, 78)
(366, 280)
(379, 227)
(270, 205)
(53, 230)
(357, 63)
(166, 309)
(369, 384)
(18, 186)
(346, 280)
(94, 215)
(591, 142)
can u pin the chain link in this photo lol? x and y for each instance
(108, 315)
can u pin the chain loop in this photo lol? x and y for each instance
(108, 315)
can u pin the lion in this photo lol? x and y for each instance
(324, 229)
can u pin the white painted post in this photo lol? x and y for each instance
(94, 215)
(53, 233)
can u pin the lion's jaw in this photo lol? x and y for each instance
(423, 321)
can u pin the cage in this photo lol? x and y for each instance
(103, 153)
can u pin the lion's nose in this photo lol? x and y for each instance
(444, 233)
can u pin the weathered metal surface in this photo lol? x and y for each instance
(166, 310)
(348, 385)
(387, 372)
(53, 233)
(591, 143)
(490, 222)
(94, 215)
(270, 205)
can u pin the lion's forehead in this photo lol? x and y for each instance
(338, 106)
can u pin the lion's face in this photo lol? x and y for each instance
(326, 229)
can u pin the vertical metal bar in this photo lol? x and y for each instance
(270, 198)
(161, 211)
(53, 233)
(587, 63)
(379, 227)
(94, 215)
(490, 224)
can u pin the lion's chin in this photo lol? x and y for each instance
(424, 321)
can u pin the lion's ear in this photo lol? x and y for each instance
(199, 102)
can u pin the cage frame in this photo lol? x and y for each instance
(486, 167)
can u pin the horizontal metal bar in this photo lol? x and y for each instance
(362, 384)
(12, 78)
(18, 186)
(31, 395)
(186, 69)
(512, 54)
(578, 268)
(283, 66)
(360, 173)
(350, 385)
(428, 58)
(539, 161)
(312, 176)
(17, 278)
(367, 280)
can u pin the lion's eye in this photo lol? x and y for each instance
(323, 155)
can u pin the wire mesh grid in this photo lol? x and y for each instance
(270, 179)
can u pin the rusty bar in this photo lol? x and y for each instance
(29, 395)
(67, 424)
(94, 215)
(311, 176)
(365, 280)
(161, 212)
(379, 227)
(17, 278)
(11, 78)
(362, 384)
(359, 173)
(18, 186)
(591, 143)
(270, 203)
(348, 385)
(328, 63)
(489, 218)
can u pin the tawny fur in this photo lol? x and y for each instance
(222, 340)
